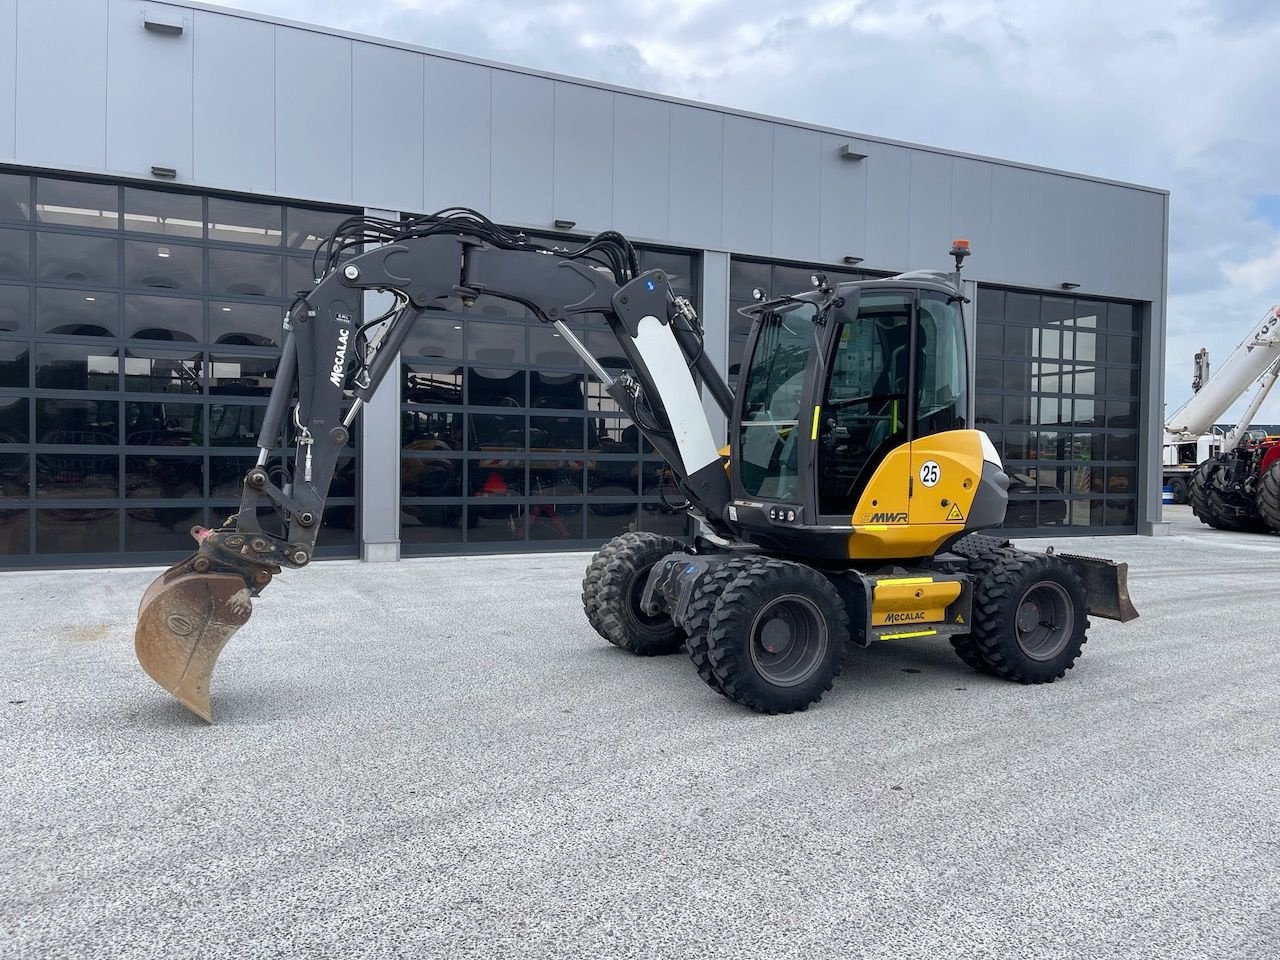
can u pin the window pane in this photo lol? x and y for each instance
(14, 363)
(238, 221)
(547, 348)
(990, 338)
(496, 478)
(69, 258)
(163, 266)
(161, 528)
(309, 228)
(15, 197)
(15, 254)
(77, 531)
(555, 433)
(78, 421)
(244, 274)
(235, 424)
(549, 391)
(14, 415)
(162, 212)
(495, 524)
(555, 478)
(659, 519)
(422, 525)
(1022, 308)
(555, 521)
(15, 532)
(425, 383)
(495, 342)
(245, 324)
(77, 476)
(163, 318)
(427, 430)
(77, 367)
(1122, 381)
(1122, 318)
(77, 314)
(1090, 314)
(226, 475)
(495, 432)
(609, 520)
(437, 335)
(613, 478)
(162, 371)
(15, 476)
(430, 477)
(612, 435)
(76, 204)
(163, 424)
(1122, 446)
(495, 388)
(242, 376)
(163, 477)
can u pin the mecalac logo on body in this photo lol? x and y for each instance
(340, 359)
(903, 617)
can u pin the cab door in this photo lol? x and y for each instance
(945, 466)
(862, 417)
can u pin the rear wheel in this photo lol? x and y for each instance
(697, 618)
(1178, 487)
(1198, 495)
(1269, 497)
(1029, 618)
(778, 636)
(620, 582)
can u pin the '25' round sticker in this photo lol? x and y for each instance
(930, 472)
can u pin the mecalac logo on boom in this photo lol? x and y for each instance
(340, 359)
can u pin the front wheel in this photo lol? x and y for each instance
(778, 637)
(1029, 618)
(615, 585)
(1269, 497)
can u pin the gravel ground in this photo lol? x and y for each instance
(439, 758)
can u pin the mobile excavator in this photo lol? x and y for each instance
(843, 511)
(1238, 487)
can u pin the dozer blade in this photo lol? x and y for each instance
(184, 621)
(1106, 584)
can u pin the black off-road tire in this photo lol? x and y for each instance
(1208, 506)
(982, 553)
(1269, 497)
(591, 584)
(1030, 618)
(778, 636)
(697, 617)
(617, 596)
(1178, 487)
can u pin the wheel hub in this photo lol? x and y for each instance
(1044, 621)
(788, 640)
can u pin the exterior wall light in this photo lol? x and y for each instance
(1069, 286)
(852, 260)
(566, 224)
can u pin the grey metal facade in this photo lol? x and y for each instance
(245, 104)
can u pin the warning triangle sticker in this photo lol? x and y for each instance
(954, 513)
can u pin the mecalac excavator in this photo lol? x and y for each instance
(843, 511)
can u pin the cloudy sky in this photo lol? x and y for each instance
(1179, 94)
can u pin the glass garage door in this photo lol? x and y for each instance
(139, 336)
(508, 443)
(1058, 382)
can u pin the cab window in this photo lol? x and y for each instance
(768, 437)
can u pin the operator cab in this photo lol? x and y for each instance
(835, 380)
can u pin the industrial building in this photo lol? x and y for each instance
(167, 170)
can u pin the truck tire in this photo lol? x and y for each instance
(982, 553)
(778, 636)
(1269, 497)
(1198, 497)
(697, 618)
(619, 585)
(1178, 487)
(591, 585)
(1030, 619)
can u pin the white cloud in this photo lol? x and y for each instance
(1175, 93)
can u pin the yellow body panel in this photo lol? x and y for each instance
(898, 515)
(912, 601)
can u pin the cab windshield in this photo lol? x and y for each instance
(768, 437)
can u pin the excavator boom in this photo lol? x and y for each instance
(332, 363)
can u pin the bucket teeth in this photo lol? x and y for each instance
(184, 620)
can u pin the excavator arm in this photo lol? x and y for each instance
(332, 363)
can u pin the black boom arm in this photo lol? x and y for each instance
(332, 360)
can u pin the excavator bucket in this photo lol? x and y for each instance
(1106, 584)
(185, 619)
